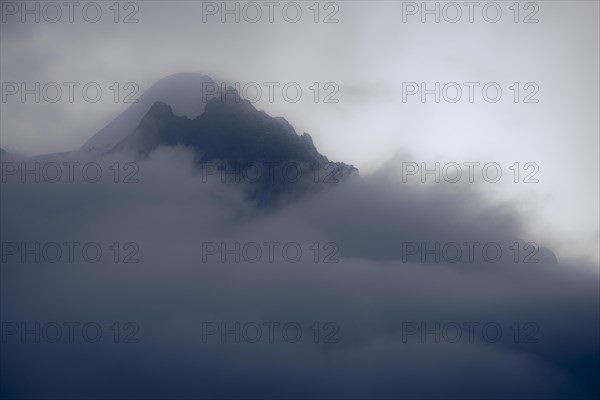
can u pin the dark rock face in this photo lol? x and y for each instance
(262, 152)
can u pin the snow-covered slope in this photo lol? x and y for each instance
(182, 91)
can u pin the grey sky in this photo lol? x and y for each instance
(368, 54)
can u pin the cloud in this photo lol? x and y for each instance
(370, 301)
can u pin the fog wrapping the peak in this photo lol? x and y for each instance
(368, 52)
(289, 209)
(363, 284)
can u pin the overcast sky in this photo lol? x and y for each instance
(367, 54)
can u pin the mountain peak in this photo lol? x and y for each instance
(160, 109)
(184, 92)
(235, 135)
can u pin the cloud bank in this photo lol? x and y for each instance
(376, 320)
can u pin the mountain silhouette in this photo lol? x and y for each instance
(233, 135)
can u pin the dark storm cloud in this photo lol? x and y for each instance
(370, 294)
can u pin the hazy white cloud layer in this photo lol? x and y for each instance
(370, 297)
